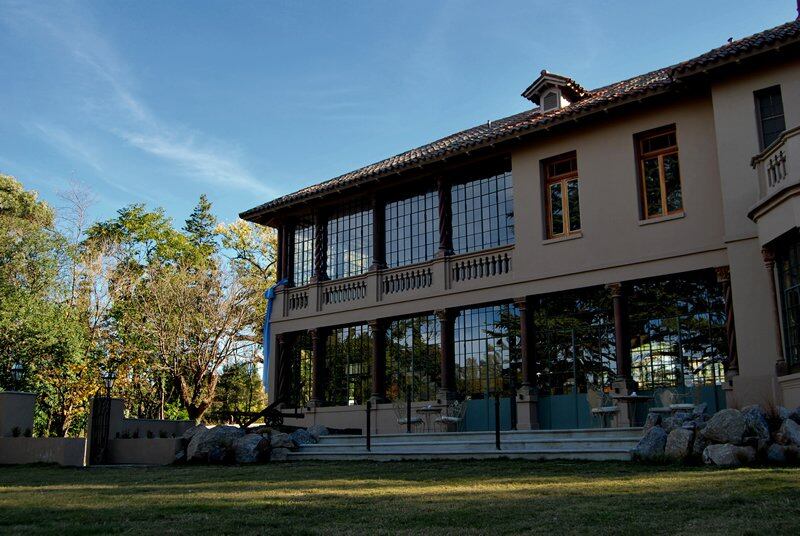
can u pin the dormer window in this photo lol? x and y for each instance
(552, 91)
(550, 101)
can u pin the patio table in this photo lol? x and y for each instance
(632, 401)
(427, 413)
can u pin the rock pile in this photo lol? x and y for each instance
(231, 444)
(729, 438)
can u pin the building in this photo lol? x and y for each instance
(637, 236)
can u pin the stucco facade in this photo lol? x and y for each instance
(723, 225)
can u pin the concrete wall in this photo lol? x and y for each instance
(613, 232)
(16, 411)
(790, 388)
(63, 451)
(119, 425)
(736, 130)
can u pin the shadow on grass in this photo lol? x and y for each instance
(405, 497)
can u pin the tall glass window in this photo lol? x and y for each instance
(483, 213)
(487, 350)
(348, 355)
(412, 358)
(788, 262)
(771, 122)
(561, 196)
(412, 229)
(349, 241)
(574, 341)
(660, 173)
(303, 254)
(677, 327)
(301, 370)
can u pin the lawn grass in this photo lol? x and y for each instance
(474, 497)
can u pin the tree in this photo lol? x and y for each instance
(239, 390)
(200, 228)
(38, 324)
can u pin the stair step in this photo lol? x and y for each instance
(393, 455)
(538, 444)
(548, 435)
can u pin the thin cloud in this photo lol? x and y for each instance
(68, 144)
(118, 110)
(71, 145)
(197, 161)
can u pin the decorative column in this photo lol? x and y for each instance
(378, 233)
(280, 268)
(445, 218)
(621, 333)
(447, 388)
(288, 254)
(732, 360)
(318, 336)
(320, 247)
(527, 394)
(378, 331)
(283, 368)
(768, 252)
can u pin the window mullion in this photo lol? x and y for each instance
(565, 206)
(663, 181)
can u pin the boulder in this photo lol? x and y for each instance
(250, 448)
(301, 437)
(783, 413)
(279, 440)
(789, 434)
(698, 446)
(261, 429)
(653, 419)
(755, 422)
(795, 415)
(211, 445)
(783, 453)
(220, 454)
(726, 426)
(279, 455)
(651, 446)
(679, 444)
(191, 432)
(728, 455)
(317, 431)
(670, 423)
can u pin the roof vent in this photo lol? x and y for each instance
(552, 91)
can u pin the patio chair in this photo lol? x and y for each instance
(453, 417)
(664, 397)
(682, 401)
(399, 407)
(601, 406)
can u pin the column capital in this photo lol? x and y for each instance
(723, 274)
(522, 303)
(768, 254)
(445, 315)
(376, 323)
(616, 290)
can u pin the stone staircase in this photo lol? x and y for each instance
(587, 444)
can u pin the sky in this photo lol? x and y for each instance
(157, 102)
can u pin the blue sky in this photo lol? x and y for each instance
(158, 102)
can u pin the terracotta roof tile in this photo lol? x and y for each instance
(531, 120)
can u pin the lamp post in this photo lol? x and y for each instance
(108, 379)
(17, 370)
(101, 413)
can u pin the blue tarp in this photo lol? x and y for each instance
(269, 295)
